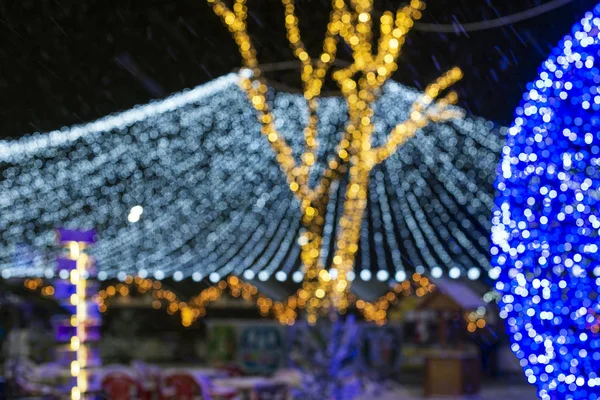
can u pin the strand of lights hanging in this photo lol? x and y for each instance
(545, 226)
(196, 306)
(186, 187)
(285, 313)
(360, 84)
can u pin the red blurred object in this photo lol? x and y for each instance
(151, 388)
(233, 370)
(119, 386)
(182, 387)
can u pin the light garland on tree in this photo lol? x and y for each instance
(546, 222)
(360, 84)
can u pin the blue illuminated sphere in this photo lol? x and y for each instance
(546, 222)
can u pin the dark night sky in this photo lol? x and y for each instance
(64, 62)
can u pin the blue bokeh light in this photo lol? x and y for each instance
(546, 225)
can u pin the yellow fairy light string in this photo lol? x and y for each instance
(373, 71)
(285, 313)
(190, 311)
(313, 73)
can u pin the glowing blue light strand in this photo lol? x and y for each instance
(428, 232)
(458, 232)
(377, 233)
(411, 250)
(365, 248)
(392, 240)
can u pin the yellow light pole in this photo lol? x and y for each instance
(75, 268)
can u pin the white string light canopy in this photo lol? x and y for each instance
(188, 188)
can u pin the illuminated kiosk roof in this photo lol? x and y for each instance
(214, 200)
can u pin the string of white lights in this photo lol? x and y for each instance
(187, 187)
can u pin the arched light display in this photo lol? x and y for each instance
(545, 226)
(188, 187)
